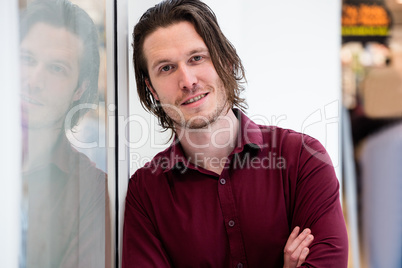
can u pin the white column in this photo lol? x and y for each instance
(10, 136)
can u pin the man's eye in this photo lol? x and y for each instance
(56, 68)
(166, 68)
(28, 60)
(197, 58)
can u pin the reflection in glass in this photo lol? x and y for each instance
(65, 206)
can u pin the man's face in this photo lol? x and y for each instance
(182, 76)
(49, 75)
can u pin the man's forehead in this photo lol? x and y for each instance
(50, 28)
(46, 38)
(164, 42)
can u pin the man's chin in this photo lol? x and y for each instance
(192, 125)
(199, 125)
(198, 122)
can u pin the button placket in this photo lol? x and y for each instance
(232, 226)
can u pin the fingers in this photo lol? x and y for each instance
(303, 256)
(305, 238)
(293, 235)
(296, 248)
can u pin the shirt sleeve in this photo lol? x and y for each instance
(141, 244)
(317, 206)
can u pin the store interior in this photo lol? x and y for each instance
(372, 94)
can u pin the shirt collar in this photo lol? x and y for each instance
(176, 156)
(62, 154)
(249, 134)
(61, 157)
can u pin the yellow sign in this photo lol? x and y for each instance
(365, 30)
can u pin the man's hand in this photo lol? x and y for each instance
(296, 248)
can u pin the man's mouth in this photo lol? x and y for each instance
(29, 100)
(195, 99)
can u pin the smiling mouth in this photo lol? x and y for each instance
(195, 99)
(28, 99)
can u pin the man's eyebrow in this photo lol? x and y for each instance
(66, 63)
(192, 52)
(198, 50)
(158, 62)
(23, 50)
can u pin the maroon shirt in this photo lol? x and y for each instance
(181, 215)
(68, 212)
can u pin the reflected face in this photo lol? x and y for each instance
(182, 76)
(49, 59)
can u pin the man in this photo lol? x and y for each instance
(227, 192)
(65, 215)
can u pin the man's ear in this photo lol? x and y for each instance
(151, 89)
(80, 90)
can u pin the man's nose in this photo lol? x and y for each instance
(187, 77)
(35, 77)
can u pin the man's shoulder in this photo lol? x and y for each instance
(75, 164)
(293, 145)
(85, 165)
(301, 147)
(285, 137)
(271, 135)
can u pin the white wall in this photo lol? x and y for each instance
(10, 137)
(290, 52)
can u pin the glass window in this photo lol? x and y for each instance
(65, 205)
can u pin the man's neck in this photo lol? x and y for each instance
(40, 144)
(209, 147)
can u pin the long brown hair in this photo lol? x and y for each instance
(223, 54)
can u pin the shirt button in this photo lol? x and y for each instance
(240, 265)
(223, 181)
(231, 223)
